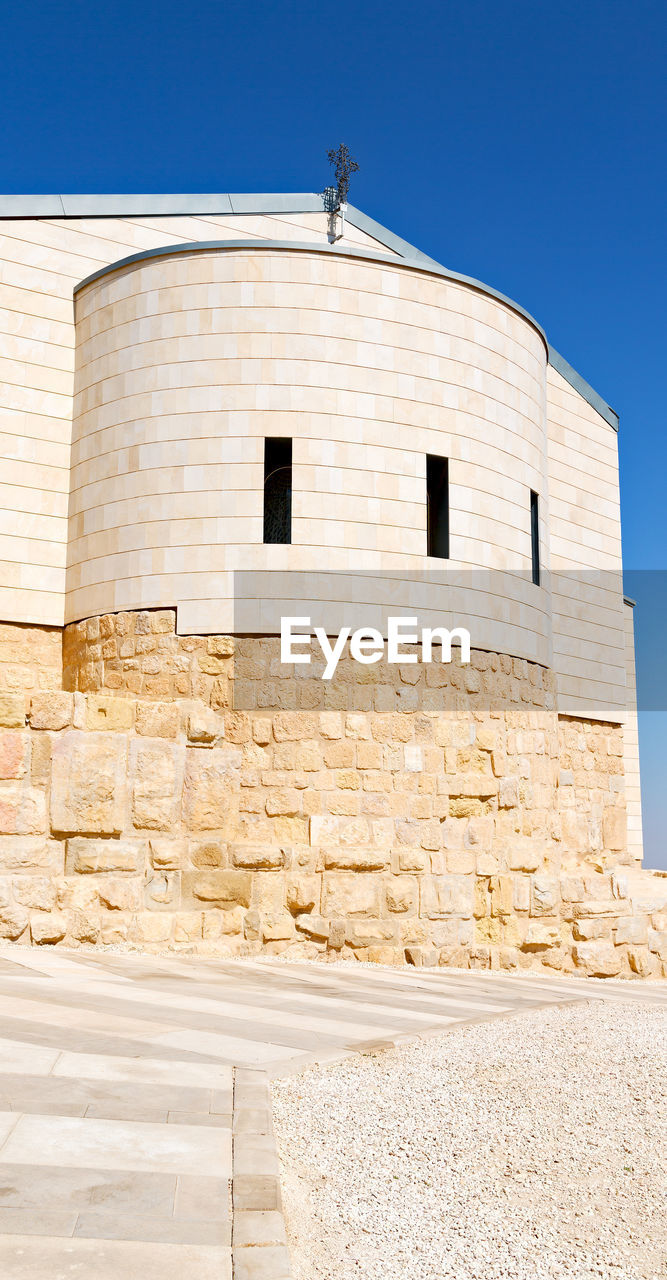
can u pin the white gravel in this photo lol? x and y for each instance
(525, 1148)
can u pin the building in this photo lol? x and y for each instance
(212, 400)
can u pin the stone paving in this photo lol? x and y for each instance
(136, 1138)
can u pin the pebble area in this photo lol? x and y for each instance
(525, 1148)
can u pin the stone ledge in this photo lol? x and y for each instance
(259, 1238)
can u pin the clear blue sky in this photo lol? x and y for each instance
(519, 142)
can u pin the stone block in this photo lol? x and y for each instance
(113, 931)
(614, 828)
(257, 856)
(352, 858)
(632, 929)
(203, 726)
(446, 895)
(285, 802)
(38, 893)
(487, 864)
(337, 931)
(188, 926)
(217, 923)
(91, 857)
(14, 754)
(540, 934)
(331, 724)
(421, 956)
(157, 772)
(153, 929)
(348, 895)
(312, 926)
(48, 929)
(302, 894)
(31, 853)
(524, 855)
(657, 942)
(340, 754)
(508, 793)
(162, 621)
(51, 710)
(479, 834)
(293, 726)
(502, 895)
(220, 646)
(40, 760)
(599, 908)
(521, 893)
(104, 712)
(22, 809)
(252, 926)
(597, 959)
(277, 928)
(210, 788)
(465, 806)
(574, 831)
(544, 896)
(642, 962)
(14, 919)
(162, 891)
(120, 895)
(468, 786)
(208, 853)
(330, 829)
(223, 888)
(453, 957)
(12, 710)
(402, 894)
(489, 929)
(261, 731)
(158, 719)
(88, 789)
(370, 933)
(461, 861)
(587, 930)
(167, 853)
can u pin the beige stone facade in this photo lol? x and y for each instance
(30, 657)
(180, 786)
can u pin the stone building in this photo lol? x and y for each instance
(213, 404)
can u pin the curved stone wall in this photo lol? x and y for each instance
(185, 363)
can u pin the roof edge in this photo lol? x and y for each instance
(165, 205)
(184, 205)
(313, 246)
(560, 364)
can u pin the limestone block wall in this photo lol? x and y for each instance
(427, 834)
(30, 657)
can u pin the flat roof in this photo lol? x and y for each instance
(226, 204)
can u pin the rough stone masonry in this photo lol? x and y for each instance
(187, 793)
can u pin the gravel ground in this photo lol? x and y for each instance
(525, 1148)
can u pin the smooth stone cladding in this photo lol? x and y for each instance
(139, 393)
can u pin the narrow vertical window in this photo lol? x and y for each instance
(277, 489)
(535, 536)
(437, 506)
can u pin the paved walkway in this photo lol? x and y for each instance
(135, 1126)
